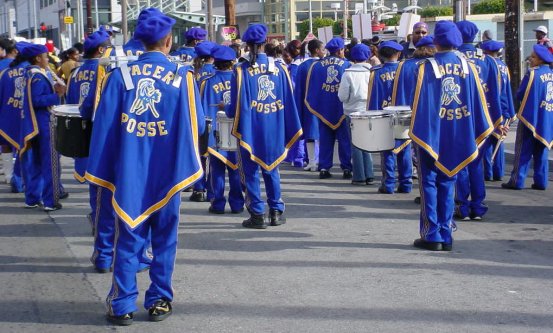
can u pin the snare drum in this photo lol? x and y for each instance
(72, 132)
(402, 120)
(372, 131)
(225, 139)
(204, 138)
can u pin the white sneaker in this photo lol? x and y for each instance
(311, 167)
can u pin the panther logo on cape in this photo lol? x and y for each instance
(146, 98)
(450, 91)
(266, 87)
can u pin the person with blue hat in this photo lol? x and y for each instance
(215, 94)
(309, 122)
(534, 132)
(380, 96)
(41, 164)
(470, 180)
(144, 149)
(134, 47)
(266, 124)
(420, 30)
(12, 84)
(494, 169)
(321, 98)
(450, 120)
(353, 94)
(193, 37)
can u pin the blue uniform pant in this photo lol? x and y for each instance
(200, 184)
(437, 202)
(296, 154)
(327, 138)
(249, 175)
(527, 148)
(217, 184)
(42, 166)
(470, 182)
(494, 170)
(80, 169)
(128, 246)
(404, 163)
(17, 178)
(103, 218)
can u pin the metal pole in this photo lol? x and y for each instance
(535, 5)
(80, 34)
(287, 19)
(35, 28)
(310, 17)
(97, 15)
(69, 26)
(345, 19)
(209, 23)
(124, 26)
(468, 7)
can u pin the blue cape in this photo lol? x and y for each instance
(265, 115)
(309, 122)
(185, 53)
(215, 89)
(450, 118)
(381, 83)
(205, 70)
(5, 63)
(12, 90)
(536, 108)
(507, 105)
(405, 82)
(144, 145)
(134, 47)
(321, 96)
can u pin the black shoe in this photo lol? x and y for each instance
(198, 196)
(358, 182)
(509, 186)
(402, 190)
(123, 320)
(487, 179)
(276, 217)
(160, 311)
(383, 190)
(536, 187)
(432, 246)
(369, 181)
(347, 174)
(213, 211)
(102, 270)
(64, 195)
(31, 206)
(57, 206)
(324, 174)
(255, 222)
(447, 246)
(497, 179)
(417, 200)
(238, 211)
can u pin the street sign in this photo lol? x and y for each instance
(68, 20)
(362, 28)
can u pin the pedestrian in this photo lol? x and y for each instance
(321, 98)
(449, 121)
(266, 123)
(144, 150)
(420, 29)
(535, 130)
(541, 37)
(353, 94)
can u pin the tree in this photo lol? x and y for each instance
(318, 22)
(489, 7)
(435, 11)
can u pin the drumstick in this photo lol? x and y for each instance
(498, 144)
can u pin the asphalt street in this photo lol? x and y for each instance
(344, 262)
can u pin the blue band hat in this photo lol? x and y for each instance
(95, 39)
(468, 30)
(106, 28)
(204, 48)
(255, 34)
(195, 34)
(543, 53)
(426, 41)
(32, 50)
(335, 44)
(492, 46)
(147, 12)
(391, 44)
(223, 53)
(154, 28)
(20, 46)
(360, 52)
(446, 34)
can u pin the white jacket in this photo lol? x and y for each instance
(354, 88)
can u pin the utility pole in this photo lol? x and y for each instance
(35, 28)
(345, 19)
(310, 17)
(89, 25)
(230, 12)
(459, 13)
(209, 22)
(124, 24)
(514, 41)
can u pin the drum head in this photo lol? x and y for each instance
(400, 109)
(67, 110)
(372, 114)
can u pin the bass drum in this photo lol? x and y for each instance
(372, 131)
(72, 132)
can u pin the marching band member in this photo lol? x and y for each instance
(203, 63)
(353, 93)
(266, 123)
(380, 95)
(450, 119)
(470, 181)
(321, 98)
(215, 92)
(309, 122)
(144, 150)
(494, 170)
(535, 130)
(133, 47)
(193, 36)
(40, 160)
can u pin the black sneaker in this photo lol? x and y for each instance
(383, 190)
(214, 211)
(255, 222)
(536, 187)
(276, 218)
(417, 200)
(64, 195)
(31, 206)
(237, 211)
(198, 196)
(57, 206)
(347, 174)
(509, 186)
(369, 181)
(103, 270)
(358, 182)
(324, 174)
(432, 246)
(160, 311)
(123, 320)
